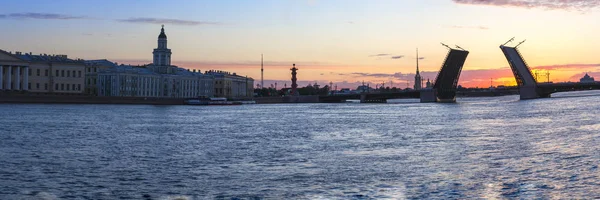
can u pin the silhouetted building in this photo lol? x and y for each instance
(587, 79)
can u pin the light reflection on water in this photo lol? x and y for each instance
(496, 147)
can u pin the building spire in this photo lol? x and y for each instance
(262, 70)
(417, 60)
(418, 80)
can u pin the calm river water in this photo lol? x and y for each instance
(496, 147)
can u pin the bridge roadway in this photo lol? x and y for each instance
(370, 97)
(545, 89)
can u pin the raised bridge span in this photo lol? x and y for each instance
(444, 88)
(529, 88)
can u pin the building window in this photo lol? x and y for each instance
(74, 73)
(94, 69)
(46, 72)
(29, 86)
(74, 88)
(79, 74)
(29, 72)
(62, 73)
(62, 86)
(37, 86)
(56, 73)
(68, 87)
(68, 73)
(56, 86)
(37, 72)
(45, 86)
(78, 86)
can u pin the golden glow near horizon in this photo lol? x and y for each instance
(331, 41)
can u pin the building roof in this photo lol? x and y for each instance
(218, 73)
(102, 62)
(47, 58)
(144, 70)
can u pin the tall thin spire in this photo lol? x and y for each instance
(418, 80)
(417, 60)
(262, 71)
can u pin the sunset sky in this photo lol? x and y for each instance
(339, 41)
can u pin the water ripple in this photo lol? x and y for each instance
(492, 148)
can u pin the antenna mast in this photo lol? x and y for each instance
(520, 43)
(511, 39)
(446, 45)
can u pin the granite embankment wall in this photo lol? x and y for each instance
(80, 99)
(287, 99)
(83, 99)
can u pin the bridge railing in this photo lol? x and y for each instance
(512, 66)
(442, 67)
(525, 62)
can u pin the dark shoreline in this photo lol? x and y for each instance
(84, 99)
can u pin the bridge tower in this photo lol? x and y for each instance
(446, 82)
(528, 86)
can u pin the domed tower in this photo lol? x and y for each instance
(162, 55)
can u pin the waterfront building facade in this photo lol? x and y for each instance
(139, 81)
(55, 74)
(159, 79)
(231, 85)
(92, 67)
(13, 72)
(51, 74)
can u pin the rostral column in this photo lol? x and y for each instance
(294, 84)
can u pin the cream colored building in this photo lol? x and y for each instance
(231, 85)
(55, 74)
(13, 73)
(51, 74)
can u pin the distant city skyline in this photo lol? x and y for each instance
(344, 42)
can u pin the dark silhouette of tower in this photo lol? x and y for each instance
(294, 84)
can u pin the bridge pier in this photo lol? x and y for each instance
(528, 92)
(428, 96)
